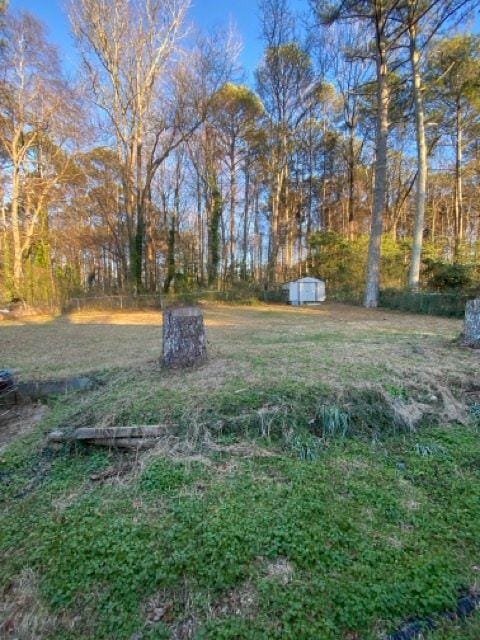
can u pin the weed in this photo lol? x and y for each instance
(304, 446)
(429, 449)
(333, 422)
(475, 412)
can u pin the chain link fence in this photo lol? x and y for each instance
(160, 301)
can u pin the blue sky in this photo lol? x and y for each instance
(206, 13)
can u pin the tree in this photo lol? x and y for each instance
(423, 19)
(377, 14)
(235, 112)
(182, 177)
(127, 46)
(351, 73)
(37, 132)
(153, 95)
(286, 86)
(454, 70)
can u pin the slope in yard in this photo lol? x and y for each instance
(320, 479)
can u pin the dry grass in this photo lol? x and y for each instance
(23, 615)
(19, 421)
(87, 341)
(336, 345)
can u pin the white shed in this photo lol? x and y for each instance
(306, 290)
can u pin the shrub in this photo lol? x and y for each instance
(435, 304)
(443, 275)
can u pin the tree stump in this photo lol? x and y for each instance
(471, 334)
(184, 341)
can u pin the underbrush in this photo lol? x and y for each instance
(279, 415)
(447, 304)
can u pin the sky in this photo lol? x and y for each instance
(244, 14)
(206, 13)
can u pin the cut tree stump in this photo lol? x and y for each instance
(471, 334)
(184, 341)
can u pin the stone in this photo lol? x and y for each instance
(471, 334)
(184, 341)
(8, 389)
(45, 388)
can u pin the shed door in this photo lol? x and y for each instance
(308, 291)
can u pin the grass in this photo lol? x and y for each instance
(320, 480)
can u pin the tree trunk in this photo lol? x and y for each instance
(215, 206)
(172, 232)
(421, 193)
(200, 276)
(233, 199)
(17, 244)
(184, 341)
(140, 216)
(273, 240)
(471, 333)
(5, 248)
(170, 254)
(308, 229)
(351, 182)
(458, 180)
(245, 222)
(375, 247)
(257, 248)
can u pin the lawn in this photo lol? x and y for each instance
(319, 480)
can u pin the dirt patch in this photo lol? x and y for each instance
(280, 569)
(239, 601)
(175, 610)
(23, 616)
(19, 421)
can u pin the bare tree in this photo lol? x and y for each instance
(286, 86)
(235, 110)
(39, 121)
(128, 48)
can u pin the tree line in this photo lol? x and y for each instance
(353, 155)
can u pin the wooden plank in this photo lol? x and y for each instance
(58, 436)
(123, 443)
(110, 433)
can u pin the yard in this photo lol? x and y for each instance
(320, 479)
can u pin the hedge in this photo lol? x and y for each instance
(436, 304)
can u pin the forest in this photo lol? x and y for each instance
(155, 167)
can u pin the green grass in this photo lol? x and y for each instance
(376, 521)
(375, 533)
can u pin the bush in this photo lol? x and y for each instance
(435, 304)
(342, 263)
(443, 275)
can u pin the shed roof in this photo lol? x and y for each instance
(305, 279)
